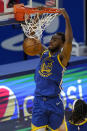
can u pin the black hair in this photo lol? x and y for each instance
(79, 112)
(62, 36)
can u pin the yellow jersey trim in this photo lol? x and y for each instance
(50, 54)
(66, 126)
(59, 127)
(60, 61)
(79, 123)
(43, 53)
(34, 128)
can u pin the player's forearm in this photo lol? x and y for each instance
(68, 30)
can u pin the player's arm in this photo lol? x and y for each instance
(43, 47)
(66, 52)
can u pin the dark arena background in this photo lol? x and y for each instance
(17, 69)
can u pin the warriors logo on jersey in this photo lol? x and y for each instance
(46, 67)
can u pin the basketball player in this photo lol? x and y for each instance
(48, 110)
(78, 121)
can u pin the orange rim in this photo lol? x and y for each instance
(20, 11)
(20, 8)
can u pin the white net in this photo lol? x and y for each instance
(35, 24)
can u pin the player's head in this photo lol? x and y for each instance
(57, 42)
(79, 111)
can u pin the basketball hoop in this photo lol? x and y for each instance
(34, 20)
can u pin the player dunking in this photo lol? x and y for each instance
(48, 110)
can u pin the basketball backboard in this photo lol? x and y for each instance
(6, 12)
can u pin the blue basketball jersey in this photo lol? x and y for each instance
(48, 75)
(77, 127)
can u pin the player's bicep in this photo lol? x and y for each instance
(66, 53)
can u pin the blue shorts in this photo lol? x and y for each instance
(47, 111)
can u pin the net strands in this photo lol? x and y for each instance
(35, 28)
(35, 19)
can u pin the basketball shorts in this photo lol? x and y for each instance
(47, 112)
